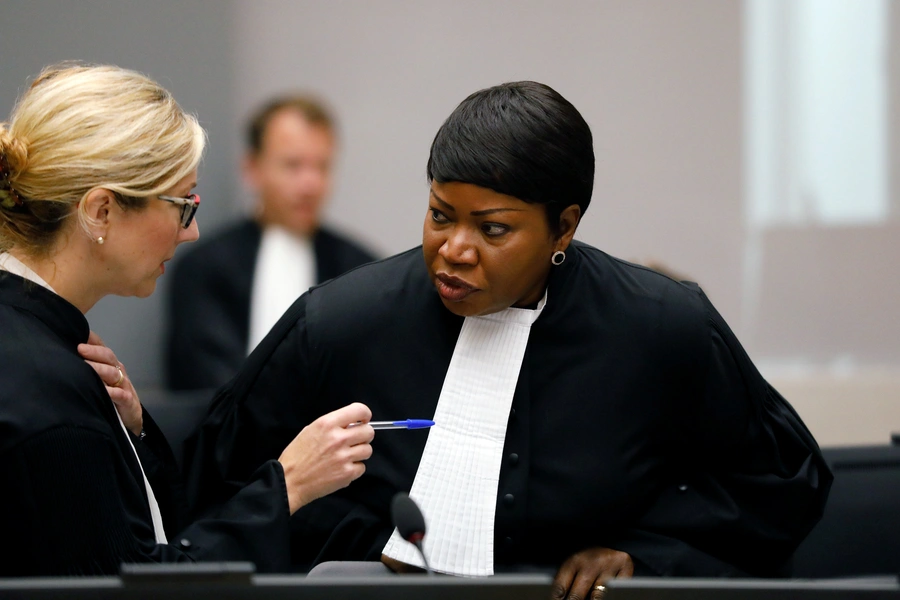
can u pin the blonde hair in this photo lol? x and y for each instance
(79, 128)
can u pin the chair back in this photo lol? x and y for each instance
(859, 534)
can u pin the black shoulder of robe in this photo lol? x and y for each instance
(208, 309)
(74, 499)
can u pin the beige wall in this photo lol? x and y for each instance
(659, 81)
(862, 407)
(661, 84)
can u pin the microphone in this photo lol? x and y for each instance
(410, 523)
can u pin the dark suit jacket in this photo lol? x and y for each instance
(74, 500)
(209, 301)
(638, 422)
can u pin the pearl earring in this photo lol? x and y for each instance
(100, 240)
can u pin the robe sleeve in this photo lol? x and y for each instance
(161, 469)
(254, 417)
(78, 511)
(750, 482)
(252, 420)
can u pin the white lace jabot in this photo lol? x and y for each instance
(456, 483)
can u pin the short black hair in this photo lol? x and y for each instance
(522, 139)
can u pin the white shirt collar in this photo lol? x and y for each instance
(10, 263)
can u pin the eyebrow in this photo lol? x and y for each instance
(474, 213)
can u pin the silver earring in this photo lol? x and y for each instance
(558, 257)
(100, 240)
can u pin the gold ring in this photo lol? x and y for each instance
(601, 589)
(121, 376)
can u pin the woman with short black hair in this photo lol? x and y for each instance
(593, 417)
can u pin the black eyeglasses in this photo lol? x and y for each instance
(189, 206)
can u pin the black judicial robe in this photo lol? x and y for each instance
(638, 422)
(73, 500)
(208, 301)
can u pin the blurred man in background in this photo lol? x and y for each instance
(229, 290)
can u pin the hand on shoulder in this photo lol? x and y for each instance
(125, 398)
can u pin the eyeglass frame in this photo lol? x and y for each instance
(188, 204)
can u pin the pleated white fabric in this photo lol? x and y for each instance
(285, 269)
(456, 483)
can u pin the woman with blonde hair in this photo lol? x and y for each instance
(97, 167)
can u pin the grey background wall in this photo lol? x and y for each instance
(661, 84)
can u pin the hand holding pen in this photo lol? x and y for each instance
(326, 456)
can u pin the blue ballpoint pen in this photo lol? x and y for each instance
(407, 424)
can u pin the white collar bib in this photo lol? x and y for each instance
(456, 483)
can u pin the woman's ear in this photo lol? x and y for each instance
(568, 223)
(96, 208)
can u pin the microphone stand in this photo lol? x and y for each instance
(416, 540)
